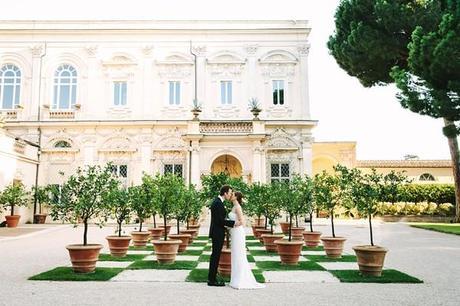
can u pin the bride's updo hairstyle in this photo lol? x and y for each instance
(239, 197)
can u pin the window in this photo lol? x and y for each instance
(121, 172)
(174, 93)
(10, 86)
(120, 93)
(226, 92)
(279, 173)
(65, 87)
(278, 92)
(174, 169)
(62, 144)
(426, 177)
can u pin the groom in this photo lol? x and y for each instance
(217, 232)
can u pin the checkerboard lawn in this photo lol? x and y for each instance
(140, 265)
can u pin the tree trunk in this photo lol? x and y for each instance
(370, 228)
(164, 221)
(332, 223)
(266, 220)
(119, 229)
(454, 155)
(140, 225)
(12, 209)
(311, 221)
(178, 226)
(296, 221)
(154, 221)
(85, 233)
(271, 227)
(290, 227)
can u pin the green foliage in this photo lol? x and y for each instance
(194, 202)
(42, 195)
(140, 201)
(212, 183)
(257, 196)
(437, 193)
(411, 208)
(84, 196)
(392, 181)
(168, 196)
(371, 36)
(13, 195)
(118, 201)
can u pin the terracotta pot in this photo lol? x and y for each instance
(261, 232)
(370, 259)
(182, 237)
(84, 257)
(259, 221)
(168, 229)
(297, 233)
(140, 238)
(166, 251)
(118, 245)
(225, 262)
(12, 221)
(269, 241)
(285, 227)
(255, 229)
(333, 246)
(311, 238)
(191, 232)
(289, 251)
(195, 227)
(155, 233)
(40, 218)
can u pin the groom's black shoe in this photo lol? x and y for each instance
(216, 284)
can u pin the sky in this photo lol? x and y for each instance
(345, 109)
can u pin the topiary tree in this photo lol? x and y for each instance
(270, 205)
(84, 197)
(14, 195)
(140, 203)
(283, 196)
(332, 191)
(148, 189)
(194, 204)
(168, 193)
(305, 188)
(41, 196)
(119, 206)
(257, 197)
(392, 186)
(366, 192)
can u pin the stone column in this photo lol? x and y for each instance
(304, 89)
(195, 163)
(252, 63)
(306, 155)
(146, 98)
(93, 99)
(257, 162)
(37, 52)
(200, 52)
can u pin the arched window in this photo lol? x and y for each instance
(62, 144)
(426, 177)
(65, 87)
(10, 86)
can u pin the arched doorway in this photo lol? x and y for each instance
(228, 164)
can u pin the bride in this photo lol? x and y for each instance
(241, 277)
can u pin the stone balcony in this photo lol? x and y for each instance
(226, 127)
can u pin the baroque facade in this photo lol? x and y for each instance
(92, 92)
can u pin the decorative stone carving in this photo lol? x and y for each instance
(170, 143)
(36, 50)
(252, 49)
(91, 50)
(278, 71)
(174, 71)
(118, 144)
(221, 70)
(303, 49)
(281, 140)
(225, 127)
(199, 50)
(119, 66)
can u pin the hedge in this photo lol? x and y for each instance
(416, 193)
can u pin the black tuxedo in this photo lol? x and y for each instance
(217, 233)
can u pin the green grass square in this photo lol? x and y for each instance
(153, 264)
(447, 228)
(201, 276)
(324, 258)
(278, 266)
(254, 244)
(388, 276)
(202, 238)
(67, 274)
(191, 252)
(318, 248)
(129, 257)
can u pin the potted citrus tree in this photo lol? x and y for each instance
(84, 197)
(168, 192)
(305, 191)
(272, 212)
(141, 205)
(284, 196)
(120, 210)
(41, 195)
(147, 188)
(366, 194)
(12, 196)
(180, 213)
(255, 207)
(331, 191)
(192, 211)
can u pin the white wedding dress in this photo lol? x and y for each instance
(241, 277)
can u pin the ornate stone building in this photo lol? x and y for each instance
(92, 92)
